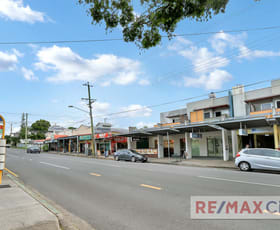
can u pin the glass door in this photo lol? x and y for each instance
(214, 147)
(195, 148)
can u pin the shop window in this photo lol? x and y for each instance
(207, 115)
(218, 114)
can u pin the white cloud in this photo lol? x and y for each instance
(101, 107)
(212, 81)
(16, 11)
(70, 66)
(136, 110)
(203, 60)
(142, 124)
(28, 74)
(246, 53)
(144, 82)
(8, 61)
(98, 108)
(221, 41)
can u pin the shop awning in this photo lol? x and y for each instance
(248, 122)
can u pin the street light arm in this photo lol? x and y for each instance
(72, 106)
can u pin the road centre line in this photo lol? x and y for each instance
(150, 186)
(239, 181)
(95, 174)
(9, 171)
(53, 165)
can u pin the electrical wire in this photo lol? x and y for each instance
(120, 39)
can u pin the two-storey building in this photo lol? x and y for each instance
(217, 126)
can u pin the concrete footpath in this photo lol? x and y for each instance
(197, 162)
(20, 211)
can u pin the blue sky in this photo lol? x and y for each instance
(43, 80)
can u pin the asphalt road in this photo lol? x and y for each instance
(125, 195)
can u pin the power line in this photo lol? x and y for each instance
(177, 101)
(172, 102)
(203, 66)
(120, 39)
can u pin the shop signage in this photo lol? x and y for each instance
(196, 135)
(136, 139)
(242, 132)
(260, 130)
(103, 135)
(85, 138)
(97, 136)
(119, 139)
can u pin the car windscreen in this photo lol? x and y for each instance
(135, 152)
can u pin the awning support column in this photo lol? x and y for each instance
(168, 143)
(276, 136)
(160, 146)
(234, 143)
(225, 145)
(129, 143)
(188, 146)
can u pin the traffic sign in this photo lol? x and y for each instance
(2, 127)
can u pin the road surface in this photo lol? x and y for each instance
(136, 196)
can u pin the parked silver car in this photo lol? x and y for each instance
(258, 158)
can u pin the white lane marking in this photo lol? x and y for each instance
(92, 161)
(57, 166)
(10, 155)
(239, 181)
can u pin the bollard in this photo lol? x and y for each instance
(2, 157)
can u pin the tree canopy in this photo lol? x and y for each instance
(39, 128)
(145, 28)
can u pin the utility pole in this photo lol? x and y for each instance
(26, 131)
(11, 132)
(90, 101)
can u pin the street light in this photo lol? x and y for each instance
(92, 127)
(75, 107)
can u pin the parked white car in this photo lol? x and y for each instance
(258, 158)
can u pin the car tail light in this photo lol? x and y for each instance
(237, 155)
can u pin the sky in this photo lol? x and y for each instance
(43, 80)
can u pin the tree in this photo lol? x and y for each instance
(145, 29)
(39, 128)
(22, 127)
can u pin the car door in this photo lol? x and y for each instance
(127, 155)
(257, 159)
(274, 159)
(120, 154)
(264, 159)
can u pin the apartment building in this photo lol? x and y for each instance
(216, 127)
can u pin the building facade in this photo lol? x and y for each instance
(216, 127)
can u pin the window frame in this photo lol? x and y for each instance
(218, 112)
(207, 113)
(277, 101)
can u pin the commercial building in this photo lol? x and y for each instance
(216, 127)
(79, 140)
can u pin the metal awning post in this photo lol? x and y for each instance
(168, 142)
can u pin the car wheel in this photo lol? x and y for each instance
(117, 158)
(133, 159)
(244, 166)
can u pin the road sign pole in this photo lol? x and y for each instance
(2, 147)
